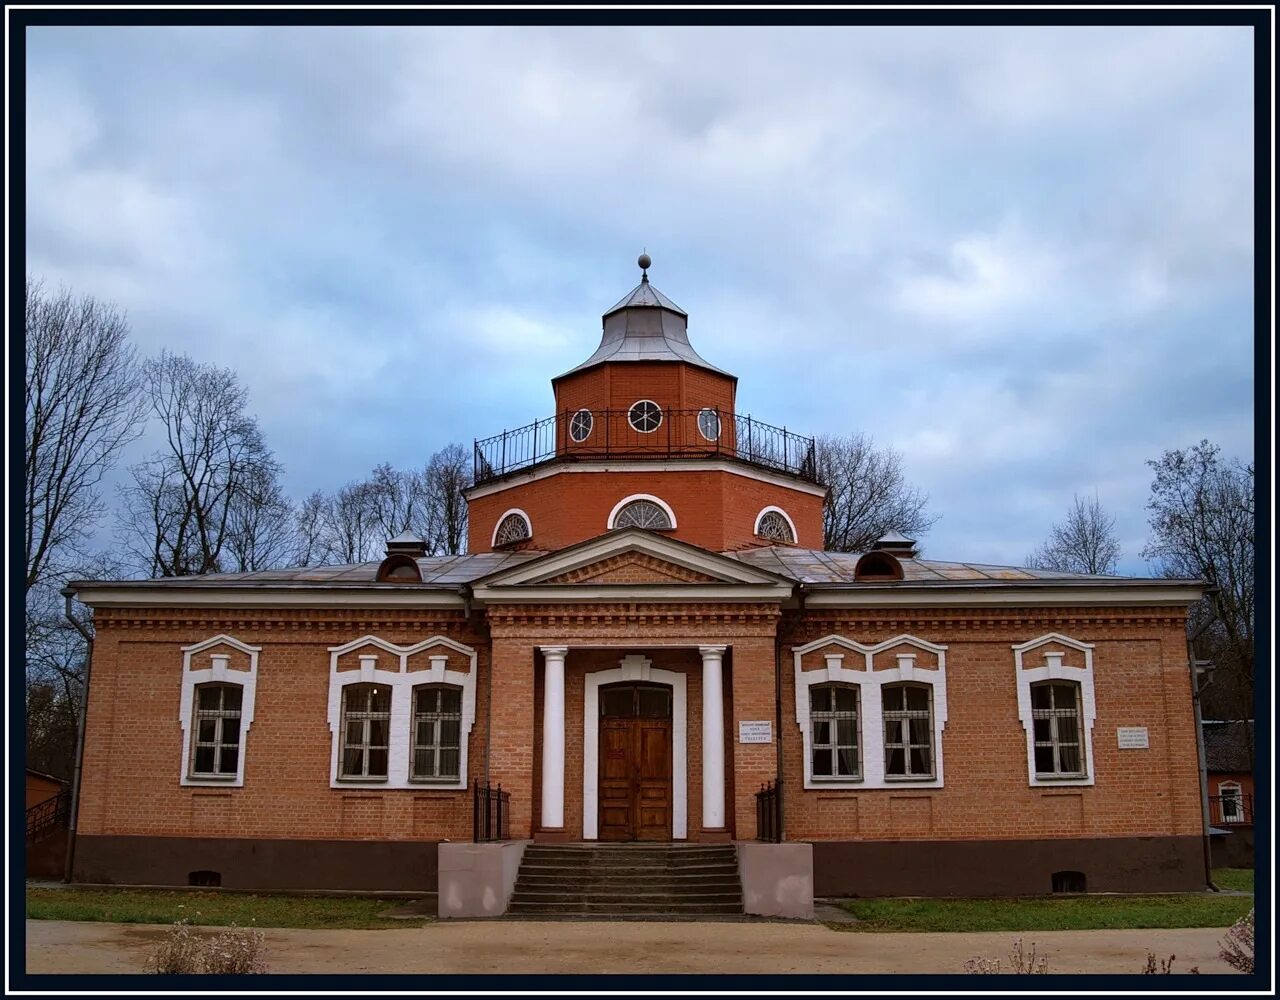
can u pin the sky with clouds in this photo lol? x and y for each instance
(1021, 257)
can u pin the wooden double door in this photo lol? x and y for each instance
(635, 762)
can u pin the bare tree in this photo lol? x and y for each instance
(82, 407)
(261, 524)
(1201, 514)
(1086, 542)
(187, 503)
(868, 496)
(447, 475)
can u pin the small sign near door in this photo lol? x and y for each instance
(1132, 738)
(755, 732)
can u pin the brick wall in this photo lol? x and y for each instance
(1140, 678)
(713, 509)
(133, 738)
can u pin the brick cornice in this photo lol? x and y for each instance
(504, 617)
(963, 619)
(319, 620)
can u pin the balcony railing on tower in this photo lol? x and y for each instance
(611, 434)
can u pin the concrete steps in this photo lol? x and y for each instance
(628, 880)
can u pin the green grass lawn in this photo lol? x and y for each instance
(1045, 913)
(151, 906)
(1239, 879)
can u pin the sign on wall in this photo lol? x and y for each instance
(1132, 738)
(755, 732)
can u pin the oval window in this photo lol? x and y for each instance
(580, 425)
(645, 416)
(709, 423)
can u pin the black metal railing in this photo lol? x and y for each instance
(704, 433)
(44, 818)
(1231, 810)
(769, 812)
(490, 813)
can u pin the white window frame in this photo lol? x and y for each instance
(528, 526)
(785, 516)
(617, 508)
(591, 424)
(871, 704)
(219, 672)
(652, 430)
(431, 780)
(719, 423)
(834, 745)
(393, 671)
(1235, 786)
(1054, 669)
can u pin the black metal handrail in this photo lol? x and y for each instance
(45, 817)
(769, 812)
(704, 433)
(490, 813)
(1221, 815)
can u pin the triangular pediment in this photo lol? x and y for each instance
(632, 557)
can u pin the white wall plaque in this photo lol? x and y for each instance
(755, 732)
(1132, 738)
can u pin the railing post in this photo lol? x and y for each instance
(750, 446)
(504, 451)
(668, 416)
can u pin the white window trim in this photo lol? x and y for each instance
(1055, 670)
(220, 672)
(1235, 786)
(671, 514)
(528, 524)
(591, 424)
(719, 423)
(402, 681)
(871, 705)
(785, 516)
(661, 416)
(636, 668)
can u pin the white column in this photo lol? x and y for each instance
(553, 737)
(712, 737)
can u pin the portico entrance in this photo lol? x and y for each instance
(635, 762)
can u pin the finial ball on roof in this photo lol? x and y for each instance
(644, 261)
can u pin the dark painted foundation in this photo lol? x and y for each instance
(1233, 849)
(372, 865)
(1006, 867)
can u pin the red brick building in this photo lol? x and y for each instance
(645, 632)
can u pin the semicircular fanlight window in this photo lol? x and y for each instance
(642, 514)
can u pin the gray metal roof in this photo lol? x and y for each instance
(809, 566)
(645, 326)
(815, 566)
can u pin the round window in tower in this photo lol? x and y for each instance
(580, 425)
(642, 514)
(774, 525)
(709, 423)
(645, 416)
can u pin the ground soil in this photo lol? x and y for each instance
(511, 946)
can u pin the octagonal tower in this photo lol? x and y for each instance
(645, 434)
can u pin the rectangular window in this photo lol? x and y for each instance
(908, 730)
(437, 732)
(1055, 720)
(366, 725)
(216, 731)
(834, 731)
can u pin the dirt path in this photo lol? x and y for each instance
(568, 947)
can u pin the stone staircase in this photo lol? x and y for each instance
(635, 881)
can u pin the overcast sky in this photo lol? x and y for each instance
(1021, 257)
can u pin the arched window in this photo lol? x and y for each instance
(399, 568)
(512, 527)
(877, 566)
(1055, 718)
(834, 731)
(216, 733)
(437, 732)
(772, 523)
(643, 512)
(908, 730)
